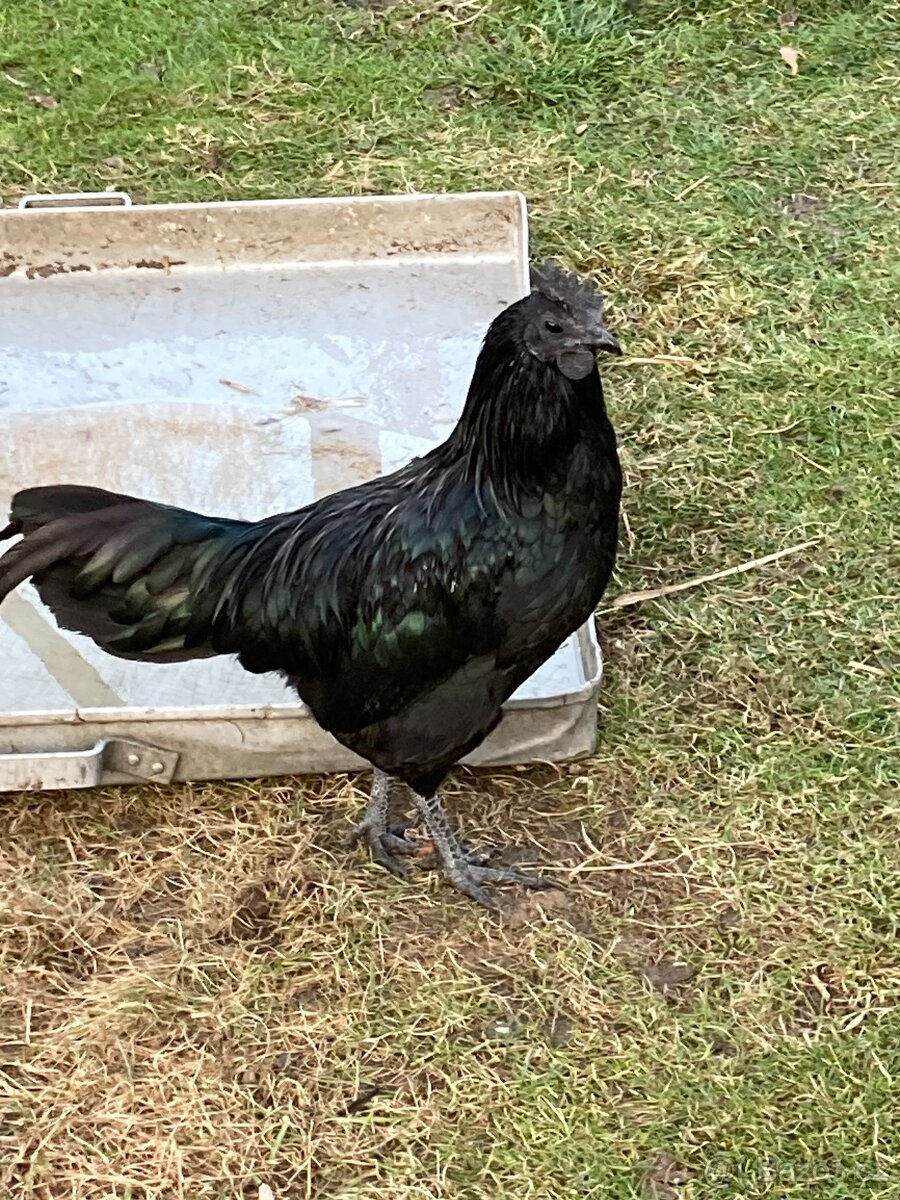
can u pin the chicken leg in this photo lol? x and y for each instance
(464, 869)
(385, 840)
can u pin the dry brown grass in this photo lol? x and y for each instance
(204, 993)
(198, 990)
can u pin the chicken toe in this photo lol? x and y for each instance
(465, 870)
(385, 839)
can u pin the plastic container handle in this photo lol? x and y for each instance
(77, 200)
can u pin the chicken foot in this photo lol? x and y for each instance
(466, 871)
(384, 839)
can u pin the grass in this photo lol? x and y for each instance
(192, 1004)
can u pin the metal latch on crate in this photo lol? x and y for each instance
(60, 770)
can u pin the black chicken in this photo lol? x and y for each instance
(404, 611)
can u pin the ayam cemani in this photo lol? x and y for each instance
(404, 611)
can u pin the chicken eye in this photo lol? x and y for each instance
(553, 327)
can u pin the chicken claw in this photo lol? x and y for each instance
(464, 870)
(385, 840)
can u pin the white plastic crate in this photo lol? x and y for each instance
(239, 359)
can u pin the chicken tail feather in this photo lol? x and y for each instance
(130, 574)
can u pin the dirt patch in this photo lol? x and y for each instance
(46, 270)
(802, 206)
(663, 1175)
(821, 993)
(255, 918)
(524, 908)
(667, 976)
(152, 264)
(559, 1030)
(445, 99)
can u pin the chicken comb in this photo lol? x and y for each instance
(565, 287)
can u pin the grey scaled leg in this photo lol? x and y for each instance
(458, 867)
(385, 841)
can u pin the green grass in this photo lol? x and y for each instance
(197, 1021)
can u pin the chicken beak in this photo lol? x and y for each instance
(607, 344)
